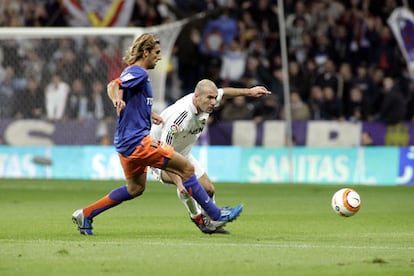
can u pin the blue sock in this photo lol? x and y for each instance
(120, 194)
(200, 195)
(114, 198)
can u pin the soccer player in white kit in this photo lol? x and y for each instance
(184, 122)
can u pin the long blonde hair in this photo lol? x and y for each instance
(140, 44)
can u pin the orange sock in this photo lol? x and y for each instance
(99, 206)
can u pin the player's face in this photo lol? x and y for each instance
(206, 101)
(153, 57)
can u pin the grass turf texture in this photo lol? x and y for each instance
(283, 230)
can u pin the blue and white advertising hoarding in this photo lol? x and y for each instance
(363, 165)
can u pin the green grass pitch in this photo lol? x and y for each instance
(284, 230)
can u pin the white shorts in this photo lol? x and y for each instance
(198, 169)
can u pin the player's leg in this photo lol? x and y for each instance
(136, 175)
(200, 220)
(209, 187)
(191, 206)
(178, 164)
(202, 176)
(83, 217)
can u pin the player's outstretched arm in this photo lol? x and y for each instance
(256, 91)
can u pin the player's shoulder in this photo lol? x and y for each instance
(179, 112)
(132, 72)
(183, 104)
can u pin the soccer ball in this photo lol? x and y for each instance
(346, 202)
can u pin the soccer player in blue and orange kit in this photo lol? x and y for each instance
(131, 95)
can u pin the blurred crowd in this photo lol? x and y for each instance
(343, 61)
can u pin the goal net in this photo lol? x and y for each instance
(83, 54)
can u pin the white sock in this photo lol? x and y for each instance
(190, 204)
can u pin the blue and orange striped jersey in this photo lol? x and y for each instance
(134, 122)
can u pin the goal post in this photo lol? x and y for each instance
(27, 45)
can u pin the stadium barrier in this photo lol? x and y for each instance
(353, 165)
(238, 133)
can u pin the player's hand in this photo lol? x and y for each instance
(156, 119)
(119, 105)
(259, 91)
(182, 189)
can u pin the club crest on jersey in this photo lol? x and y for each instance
(174, 128)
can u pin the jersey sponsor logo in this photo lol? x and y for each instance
(196, 131)
(149, 101)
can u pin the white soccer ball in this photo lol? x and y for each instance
(346, 202)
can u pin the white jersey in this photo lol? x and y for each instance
(182, 125)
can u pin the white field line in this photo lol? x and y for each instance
(210, 243)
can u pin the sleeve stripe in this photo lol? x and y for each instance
(181, 118)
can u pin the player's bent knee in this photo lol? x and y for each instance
(135, 191)
(188, 171)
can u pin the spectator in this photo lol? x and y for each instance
(30, 102)
(364, 82)
(248, 29)
(301, 53)
(10, 86)
(264, 13)
(322, 51)
(267, 108)
(277, 83)
(328, 77)
(237, 109)
(377, 82)
(297, 23)
(77, 103)
(392, 109)
(356, 107)
(146, 13)
(69, 65)
(315, 102)
(386, 57)
(189, 55)
(12, 14)
(233, 63)
(331, 108)
(299, 110)
(363, 36)
(296, 80)
(112, 60)
(295, 31)
(345, 78)
(309, 70)
(97, 58)
(56, 94)
(338, 36)
(250, 76)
